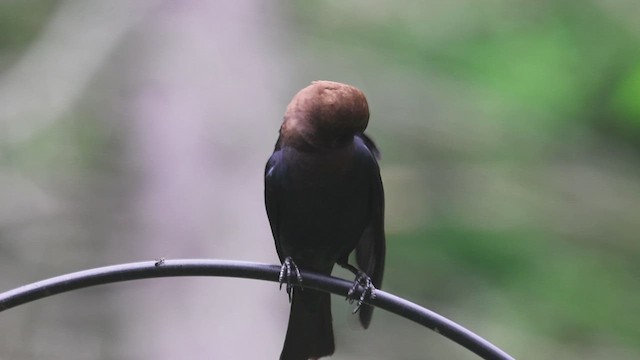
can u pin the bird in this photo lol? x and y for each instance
(324, 200)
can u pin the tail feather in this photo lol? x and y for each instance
(310, 332)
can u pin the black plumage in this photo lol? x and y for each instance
(324, 199)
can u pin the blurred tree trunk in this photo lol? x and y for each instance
(199, 120)
(203, 115)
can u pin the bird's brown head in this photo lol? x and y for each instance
(325, 114)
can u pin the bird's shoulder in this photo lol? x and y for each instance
(368, 143)
(362, 150)
(273, 165)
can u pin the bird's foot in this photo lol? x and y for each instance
(368, 290)
(288, 273)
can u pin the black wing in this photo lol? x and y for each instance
(370, 251)
(370, 145)
(272, 194)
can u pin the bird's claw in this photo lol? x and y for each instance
(368, 290)
(289, 271)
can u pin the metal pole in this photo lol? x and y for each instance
(248, 270)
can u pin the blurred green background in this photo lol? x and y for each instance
(510, 133)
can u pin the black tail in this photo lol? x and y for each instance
(310, 333)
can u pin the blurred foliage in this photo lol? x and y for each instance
(625, 101)
(547, 64)
(20, 22)
(76, 143)
(558, 79)
(566, 292)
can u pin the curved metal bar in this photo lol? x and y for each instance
(249, 270)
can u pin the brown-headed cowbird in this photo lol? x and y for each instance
(324, 198)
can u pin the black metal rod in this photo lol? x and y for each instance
(249, 270)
